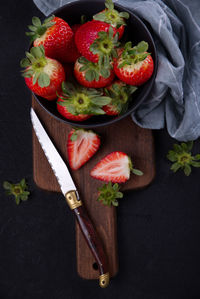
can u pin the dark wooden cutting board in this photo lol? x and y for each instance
(121, 136)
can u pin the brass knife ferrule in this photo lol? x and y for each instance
(72, 200)
(104, 280)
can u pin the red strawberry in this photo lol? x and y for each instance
(79, 103)
(89, 74)
(72, 52)
(81, 146)
(95, 41)
(115, 168)
(120, 94)
(43, 75)
(112, 16)
(64, 112)
(134, 66)
(54, 34)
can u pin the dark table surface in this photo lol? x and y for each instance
(158, 228)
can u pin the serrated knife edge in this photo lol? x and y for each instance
(56, 162)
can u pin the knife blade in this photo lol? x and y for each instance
(71, 195)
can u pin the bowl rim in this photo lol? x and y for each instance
(128, 112)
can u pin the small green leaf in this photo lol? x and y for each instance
(124, 15)
(197, 157)
(189, 146)
(142, 47)
(137, 172)
(36, 52)
(175, 166)
(109, 4)
(195, 163)
(24, 62)
(101, 101)
(96, 110)
(119, 195)
(187, 170)
(43, 80)
(74, 136)
(90, 75)
(36, 21)
(105, 72)
(7, 185)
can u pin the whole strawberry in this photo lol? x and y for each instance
(62, 109)
(97, 41)
(112, 16)
(78, 100)
(89, 74)
(43, 75)
(54, 34)
(120, 94)
(135, 65)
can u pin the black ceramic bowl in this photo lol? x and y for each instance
(135, 31)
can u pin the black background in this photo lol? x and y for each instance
(158, 228)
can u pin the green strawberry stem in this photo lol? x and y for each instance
(34, 65)
(105, 47)
(92, 70)
(37, 29)
(111, 16)
(182, 158)
(134, 170)
(108, 194)
(120, 94)
(81, 100)
(133, 55)
(19, 190)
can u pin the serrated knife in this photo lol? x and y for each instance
(71, 195)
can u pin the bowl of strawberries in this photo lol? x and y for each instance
(91, 63)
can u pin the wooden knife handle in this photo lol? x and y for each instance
(91, 236)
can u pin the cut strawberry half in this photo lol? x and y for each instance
(115, 167)
(81, 146)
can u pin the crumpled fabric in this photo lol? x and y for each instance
(174, 102)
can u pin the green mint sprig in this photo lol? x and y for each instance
(19, 190)
(182, 158)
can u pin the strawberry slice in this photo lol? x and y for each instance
(81, 146)
(115, 168)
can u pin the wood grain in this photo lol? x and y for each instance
(123, 136)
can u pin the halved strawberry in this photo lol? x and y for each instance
(54, 34)
(112, 16)
(120, 94)
(89, 74)
(43, 75)
(115, 168)
(78, 100)
(134, 66)
(97, 41)
(81, 146)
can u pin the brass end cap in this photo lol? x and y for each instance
(104, 280)
(72, 200)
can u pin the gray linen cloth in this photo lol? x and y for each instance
(175, 99)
